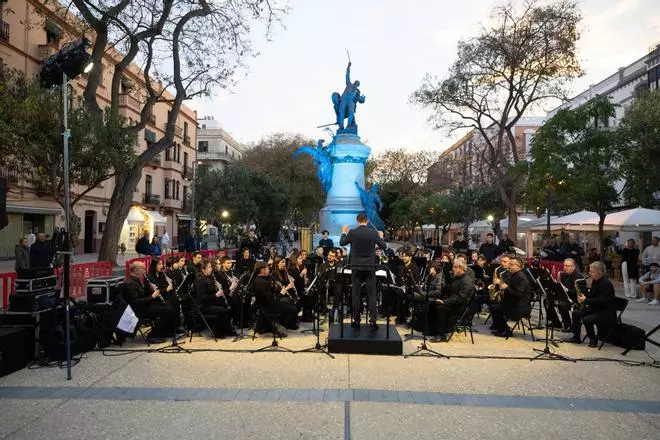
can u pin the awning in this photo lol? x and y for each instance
(157, 218)
(42, 207)
(184, 217)
(135, 216)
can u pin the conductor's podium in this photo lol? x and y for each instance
(363, 341)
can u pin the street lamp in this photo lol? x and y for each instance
(225, 214)
(58, 69)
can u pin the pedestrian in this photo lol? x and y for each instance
(22, 254)
(142, 245)
(165, 242)
(154, 249)
(31, 238)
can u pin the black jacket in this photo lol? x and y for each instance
(263, 292)
(363, 240)
(568, 281)
(489, 250)
(600, 297)
(432, 286)
(41, 254)
(242, 265)
(142, 246)
(205, 290)
(462, 289)
(518, 293)
(137, 295)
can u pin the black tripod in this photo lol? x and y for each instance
(241, 298)
(546, 352)
(413, 319)
(176, 346)
(423, 348)
(318, 348)
(274, 345)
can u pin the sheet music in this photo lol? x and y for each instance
(128, 320)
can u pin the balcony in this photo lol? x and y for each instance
(47, 50)
(155, 161)
(187, 173)
(215, 156)
(177, 129)
(11, 174)
(151, 120)
(172, 203)
(4, 31)
(129, 101)
(152, 199)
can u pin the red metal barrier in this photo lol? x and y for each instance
(553, 266)
(78, 275)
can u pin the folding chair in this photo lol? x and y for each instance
(620, 304)
(464, 322)
(520, 323)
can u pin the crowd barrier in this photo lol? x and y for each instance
(553, 266)
(78, 275)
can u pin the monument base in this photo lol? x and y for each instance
(363, 341)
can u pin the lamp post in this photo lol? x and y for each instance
(59, 69)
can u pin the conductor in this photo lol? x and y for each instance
(363, 240)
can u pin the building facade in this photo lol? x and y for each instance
(215, 147)
(33, 31)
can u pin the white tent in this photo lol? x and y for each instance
(634, 220)
(578, 221)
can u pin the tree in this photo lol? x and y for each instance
(399, 166)
(580, 159)
(32, 144)
(640, 130)
(254, 198)
(272, 156)
(185, 49)
(514, 65)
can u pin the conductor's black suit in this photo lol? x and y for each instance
(363, 240)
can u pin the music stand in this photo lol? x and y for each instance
(195, 306)
(546, 352)
(316, 326)
(241, 298)
(175, 345)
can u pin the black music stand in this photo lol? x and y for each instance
(316, 326)
(175, 346)
(413, 320)
(423, 349)
(547, 352)
(195, 306)
(241, 297)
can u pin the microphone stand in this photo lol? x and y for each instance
(175, 346)
(316, 326)
(423, 349)
(546, 352)
(241, 298)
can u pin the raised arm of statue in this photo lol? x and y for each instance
(348, 75)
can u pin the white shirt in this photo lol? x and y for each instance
(651, 255)
(31, 239)
(165, 240)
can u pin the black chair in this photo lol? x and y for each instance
(521, 323)
(620, 304)
(464, 322)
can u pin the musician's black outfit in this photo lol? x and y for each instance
(363, 240)
(515, 302)
(171, 298)
(209, 304)
(234, 300)
(265, 294)
(408, 276)
(138, 296)
(329, 284)
(563, 305)
(597, 309)
(488, 250)
(462, 289)
(460, 246)
(306, 302)
(244, 265)
(326, 244)
(504, 246)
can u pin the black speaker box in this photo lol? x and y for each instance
(15, 349)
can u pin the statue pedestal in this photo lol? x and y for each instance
(343, 203)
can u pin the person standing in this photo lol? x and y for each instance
(488, 249)
(154, 248)
(326, 243)
(165, 242)
(31, 238)
(41, 252)
(190, 245)
(363, 240)
(22, 254)
(142, 245)
(630, 258)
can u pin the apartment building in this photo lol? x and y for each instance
(33, 31)
(215, 147)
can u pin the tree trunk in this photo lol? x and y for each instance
(120, 205)
(601, 236)
(512, 229)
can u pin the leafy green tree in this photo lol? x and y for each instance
(640, 131)
(580, 159)
(519, 60)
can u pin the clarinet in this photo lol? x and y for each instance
(154, 287)
(218, 288)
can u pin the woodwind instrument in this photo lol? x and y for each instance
(218, 288)
(154, 287)
(234, 282)
(581, 289)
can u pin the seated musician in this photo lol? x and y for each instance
(280, 276)
(297, 270)
(165, 285)
(516, 296)
(462, 289)
(147, 302)
(177, 270)
(229, 284)
(469, 272)
(318, 258)
(194, 266)
(567, 279)
(408, 276)
(268, 294)
(480, 275)
(328, 284)
(597, 306)
(211, 301)
(245, 263)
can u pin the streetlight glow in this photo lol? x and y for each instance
(225, 214)
(491, 218)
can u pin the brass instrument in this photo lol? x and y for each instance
(494, 293)
(234, 282)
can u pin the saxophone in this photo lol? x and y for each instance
(581, 289)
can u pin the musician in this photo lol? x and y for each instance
(280, 276)
(480, 276)
(505, 245)
(229, 283)
(165, 285)
(515, 300)
(148, 303)
(567, 279)
(212, 301)
(362, 240)
(245, 263)
(469, 272)
(298, 272)
(460, 244)
(195, 265)
(327, 281)
(267, 296)
(408, 275)
(597, 306)
(462, 289)
(433, 285)
(177, 270)
(326, 243)
(488, 249)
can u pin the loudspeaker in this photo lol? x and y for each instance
(15, 349)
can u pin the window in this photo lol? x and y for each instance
(203, 126)
(232, 154)
(147, 185)
(178, 153)
(168, 156)
(178, 184)
(101, 227)
(185, 161)
(167, 188)
(203, 146)
(185, 129)
(185, 193)
(226, 149)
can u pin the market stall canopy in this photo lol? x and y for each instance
(579, 221)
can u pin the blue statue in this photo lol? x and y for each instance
(372, 203)
(322, 160)
(346, 103)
